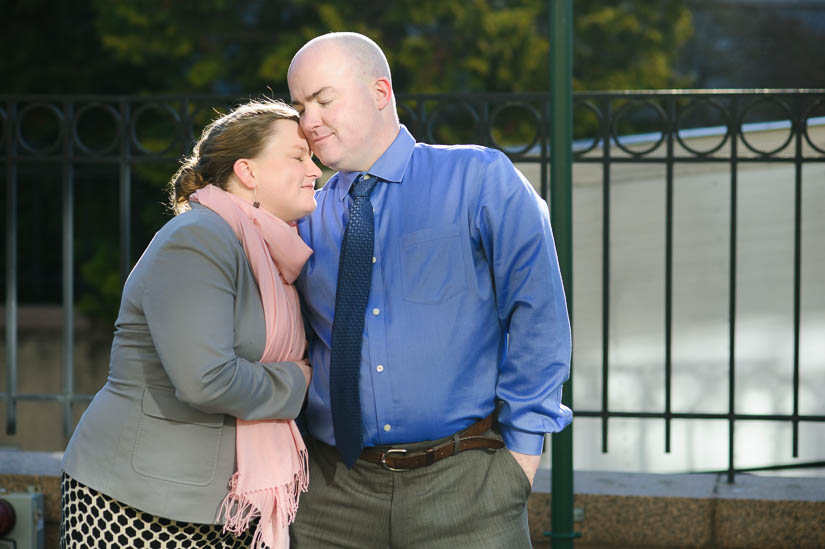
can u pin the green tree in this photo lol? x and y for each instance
(51, 46)
(629, 45)
(239, 48)
(433, 46)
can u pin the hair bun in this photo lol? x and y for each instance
(186, 181)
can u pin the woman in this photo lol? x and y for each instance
(207, 355)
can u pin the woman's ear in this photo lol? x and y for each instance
(383, 92)
(243, 171)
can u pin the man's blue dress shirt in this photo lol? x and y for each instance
(463, 258)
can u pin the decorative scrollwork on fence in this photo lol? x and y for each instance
(700, 125)
(697, 105)
(782, 113)
(95, 131)
(4, 125)
(49, 128)
(809, 114)
(499, 131)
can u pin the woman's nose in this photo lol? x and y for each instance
(313, 170)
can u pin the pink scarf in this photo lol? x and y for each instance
(272, 458)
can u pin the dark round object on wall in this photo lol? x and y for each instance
(7, 517)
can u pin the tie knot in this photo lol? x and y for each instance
(364, 185)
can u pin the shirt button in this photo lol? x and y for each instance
(380, 367)
(373, 259)
(376, 311)
(387, 427)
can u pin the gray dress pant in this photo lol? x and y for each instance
(477, 498)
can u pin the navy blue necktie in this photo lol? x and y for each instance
(351, 294)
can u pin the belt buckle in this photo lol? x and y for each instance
(392, 451)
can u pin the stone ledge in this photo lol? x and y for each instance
(652, 510)
(620, 509)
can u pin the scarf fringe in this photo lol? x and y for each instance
(272, 463)
(238, 509)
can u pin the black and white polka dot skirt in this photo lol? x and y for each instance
(91, 520)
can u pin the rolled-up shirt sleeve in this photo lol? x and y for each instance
(189, 304)
(514, 226)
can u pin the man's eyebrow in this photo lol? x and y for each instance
(313, 95)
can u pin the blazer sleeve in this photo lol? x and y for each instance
(189, 304)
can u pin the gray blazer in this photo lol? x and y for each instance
(160, 435)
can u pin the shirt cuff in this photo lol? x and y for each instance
(522, 441)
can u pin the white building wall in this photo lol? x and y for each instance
(700, 373)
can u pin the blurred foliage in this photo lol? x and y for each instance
(241, 48)
(99, 272)
(629, 45)
(764, 45)
(221, 46)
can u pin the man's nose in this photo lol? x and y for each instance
(309, 119)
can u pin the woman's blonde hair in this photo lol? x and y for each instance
(240, 134)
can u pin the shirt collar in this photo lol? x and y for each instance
(390, 166)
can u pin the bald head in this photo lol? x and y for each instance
(340, 84)
(364, 56)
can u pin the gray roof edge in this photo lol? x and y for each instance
(18, 462)
(690, 485)
(686, 485)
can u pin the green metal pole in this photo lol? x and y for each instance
(561, 215)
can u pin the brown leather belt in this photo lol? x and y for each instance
(400, 459)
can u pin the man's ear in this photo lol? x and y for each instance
(243, 171)
(383, 92)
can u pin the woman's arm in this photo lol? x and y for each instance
(189, 304)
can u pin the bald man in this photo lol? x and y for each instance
(440, 338)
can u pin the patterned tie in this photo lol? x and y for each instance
(354, 277)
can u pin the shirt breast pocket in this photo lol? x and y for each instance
(432, 264)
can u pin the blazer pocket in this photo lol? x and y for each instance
(176, 442)
(432, 265)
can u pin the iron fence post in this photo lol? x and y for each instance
(68, 191)
(561, 209)
(10, 138)
(125, 192)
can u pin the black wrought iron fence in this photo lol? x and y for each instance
(114, 140)
(724, 116)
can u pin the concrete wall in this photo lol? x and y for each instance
(40, 370)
